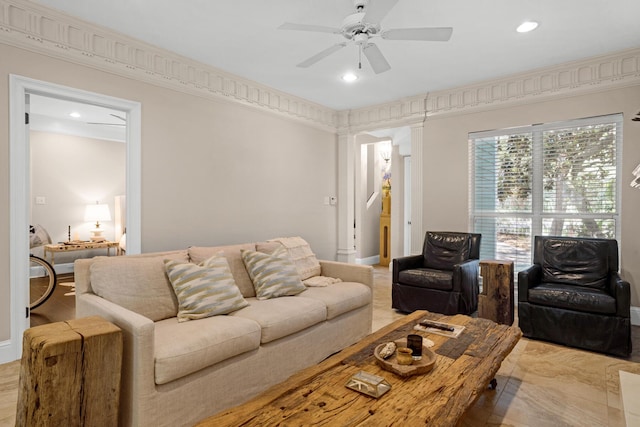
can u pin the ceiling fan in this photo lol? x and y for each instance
(363, 25)
(111, 124)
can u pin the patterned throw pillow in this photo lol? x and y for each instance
(273, 275)
(205, 289)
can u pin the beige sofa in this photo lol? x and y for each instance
(177, 373)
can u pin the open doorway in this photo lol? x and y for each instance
(371, 166)
(370, 163)
(77, 158)
(21, 89)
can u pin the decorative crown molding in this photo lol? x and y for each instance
(37, 28)
(573, 78)
(40, 29)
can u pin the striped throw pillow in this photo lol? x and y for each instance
(273, 275)
(205, 289)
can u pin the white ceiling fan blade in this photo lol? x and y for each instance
(305, 27)
(376, 10)
(435, 34)
(317, 57)
(376, 58)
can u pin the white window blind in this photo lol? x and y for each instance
(558, 179)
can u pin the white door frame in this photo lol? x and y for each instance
(19, 176)
(406, 251)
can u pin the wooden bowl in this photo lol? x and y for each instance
(418, 367)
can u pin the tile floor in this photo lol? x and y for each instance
(539, 384)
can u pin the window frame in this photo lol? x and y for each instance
(537, 215)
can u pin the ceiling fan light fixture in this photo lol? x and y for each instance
(360, 27)
(75, 115)
(527, 26)
(349, 77)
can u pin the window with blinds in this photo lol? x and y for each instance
(559, 179)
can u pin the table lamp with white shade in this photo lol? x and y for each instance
(95, 213)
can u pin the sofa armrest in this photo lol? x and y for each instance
(138, 370)
(348, 272)
(405, 263)
(527, 279)
(621, 291)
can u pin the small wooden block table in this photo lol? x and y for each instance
(496, 300)
(318, 396)
(70, 374)
(81, 246)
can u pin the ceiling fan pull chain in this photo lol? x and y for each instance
(359, 57)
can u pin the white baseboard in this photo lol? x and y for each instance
(7, 352)
(372, 260)
(635, 316)
(64, 268)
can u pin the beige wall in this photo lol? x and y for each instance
(446, 162)
(213, 172)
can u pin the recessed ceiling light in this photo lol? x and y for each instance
(75, 115)
(527, 26)
(349, 77)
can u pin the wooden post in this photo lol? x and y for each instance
(70, 374)
(495, 302)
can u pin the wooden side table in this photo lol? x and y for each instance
(70, 374)
(79, 246)
(495, 302)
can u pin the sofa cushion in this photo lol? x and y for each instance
(280, 317)
(340, 298)
(198, 254)
(272, 275)
(184, 348)
(444, 250)
(137, 283)
(427, 278)
(578, 298)
(204, 290)
(576, 262)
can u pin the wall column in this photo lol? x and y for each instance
(397, 201)
(346, 197)
(417, 161)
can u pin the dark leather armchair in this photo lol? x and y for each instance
(573, 295)
(444, 279)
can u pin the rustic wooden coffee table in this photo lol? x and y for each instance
(464, 367)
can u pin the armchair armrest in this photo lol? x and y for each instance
(465, 272)
(621, 291)
(527, 279)
(405, 263)
(348, 272)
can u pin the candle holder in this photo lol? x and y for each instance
(414, 342)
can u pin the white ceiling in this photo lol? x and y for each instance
(242, 37)
(53, 115)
